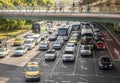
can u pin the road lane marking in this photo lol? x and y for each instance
(76, 59)
(65, 81)
(49, 81)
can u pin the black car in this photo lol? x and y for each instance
(105, 62)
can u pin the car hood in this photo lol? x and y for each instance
(49, 55)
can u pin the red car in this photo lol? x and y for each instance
(100, 45)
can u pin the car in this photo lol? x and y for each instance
(3, 43)
(99, 37)
(73, 40)
(20, 50)
(19, 41)
(29, 35)
(85, 50)
(30, 43)
(50, 30)
(61, 40)
(57, 45)
(46, 34)
(105, 62)
(3, 52)
(37, 38)
(42, 36)
(100, 44)
(32, 71)
(44, 45)
(53, 37)
(70, 46)
(50, 55)
(96, 31)
(75, 33)
(68, 56)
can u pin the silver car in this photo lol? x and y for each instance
(44, 45)
(85, 50)
(3, 52)
(20, 50)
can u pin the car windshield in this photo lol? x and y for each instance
(20, 48)
(28, 42)
(70, 45)
(2, 50)
(86, 48)
(32, 68)
(50, 52)
(105, 59)
(68, 52)
(43, 43)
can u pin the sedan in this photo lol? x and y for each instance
(85, 50)
(44, 45)
(3, 52)
(57, 45)
(105, 62)
(99, 44)
(20, 50)
(50, 55)
(53, 37)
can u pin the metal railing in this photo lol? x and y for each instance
(56, 9)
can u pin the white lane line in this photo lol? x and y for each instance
(95, 63)
(65, 81)
(77, 56)
(49, 80)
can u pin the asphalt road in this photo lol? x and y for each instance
(83, 70)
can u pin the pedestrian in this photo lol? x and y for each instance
(73, 6)
(60, 8)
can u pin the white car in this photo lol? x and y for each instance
(85, 50)
(37, 38)
(3, 52)
(20, 50)
(50, 55)
(44, 45)
(30, 43)
(70, 47)
(68, 56)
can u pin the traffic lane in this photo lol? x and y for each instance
(111, 43)
(64, 78)
(20, 61)
(86, 67)
(67, 67)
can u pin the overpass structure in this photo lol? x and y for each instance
(100, 11)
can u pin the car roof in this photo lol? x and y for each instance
(32, 64)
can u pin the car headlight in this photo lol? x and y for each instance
(110, 64)
(100, 64)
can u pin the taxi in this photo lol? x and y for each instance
(19, 41)
(32, 71)
(73, 40)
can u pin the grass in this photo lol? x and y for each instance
(14, 33)
(112, 29)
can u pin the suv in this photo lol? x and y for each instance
(68, 55)
(105, 62)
